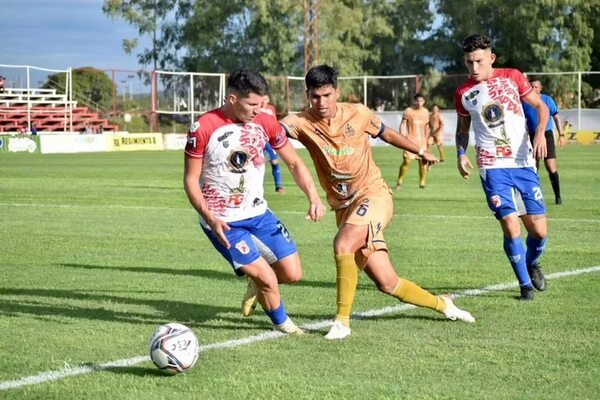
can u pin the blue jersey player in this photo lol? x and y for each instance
(490, 99)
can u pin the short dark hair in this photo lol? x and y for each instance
(245, 81)
(417, 95)
(476, 42)
(321, 75)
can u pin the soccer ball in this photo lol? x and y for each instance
(174, 348)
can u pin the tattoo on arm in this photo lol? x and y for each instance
(462, 132)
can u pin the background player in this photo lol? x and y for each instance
(491, 99)
(223, 179)
(337, 137)
(436, 124)
(273, 159)
(415, 126)
(532, 121)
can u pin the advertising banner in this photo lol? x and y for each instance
(71, 143)
(14, 144)
(174, 141)
(138, 141)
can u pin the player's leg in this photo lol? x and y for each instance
(535, 223)
(267, 287)
(348, 240)
(403, 169)
(440, 146)
(504, 200)
(379, 268)
(550, 164)
(422, 174)
(277, 247)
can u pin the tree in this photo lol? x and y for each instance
(161, 20)
(91, 87)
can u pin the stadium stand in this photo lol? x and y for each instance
(50, 111)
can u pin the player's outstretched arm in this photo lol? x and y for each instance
(402, 142)
(304, 180)
(191, 184)
(462, 141)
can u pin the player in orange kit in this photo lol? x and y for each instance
(337, 136)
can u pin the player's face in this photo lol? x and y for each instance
(419, 102)
(246, 108)
(479, 63)
(323, 101)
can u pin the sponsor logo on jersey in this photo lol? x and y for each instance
(236, 199)
(242, 247)
(344, 151)
(471, 97)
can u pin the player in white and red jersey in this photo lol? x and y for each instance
(223, 178)
(491, 100)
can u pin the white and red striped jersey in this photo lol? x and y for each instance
(501, 139)
(233, 164)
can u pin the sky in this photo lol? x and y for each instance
(58, 34)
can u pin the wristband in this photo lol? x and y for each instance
(460, 152)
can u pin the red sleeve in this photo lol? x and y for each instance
(522, 82)
(197, 137)
(275, 133)
(460, 109)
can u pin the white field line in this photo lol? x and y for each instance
(68, 372)
(122, 207)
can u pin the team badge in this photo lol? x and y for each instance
(349, 131)
(493, 114)
(242, 247)
(237, 161)
(496, 201)
(195, 126)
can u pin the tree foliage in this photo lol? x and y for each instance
(91, 87)
(367, 37)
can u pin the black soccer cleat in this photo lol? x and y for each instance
(537, 277)
(527, 293)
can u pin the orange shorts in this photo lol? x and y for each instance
(375, 209)
(437, 138)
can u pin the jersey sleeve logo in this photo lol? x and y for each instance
(471, 96)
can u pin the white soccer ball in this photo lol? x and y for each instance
(174, 348)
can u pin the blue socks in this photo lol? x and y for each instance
(515, 251)
(278, 315)
(535, 248)
(276, 175)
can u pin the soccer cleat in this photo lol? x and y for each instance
(289, 327)
(338, 331)
(454, 313)
(250, 300)
(537, 277)
(558, 201)
(399, 186)
(280, 190)
(527, 293)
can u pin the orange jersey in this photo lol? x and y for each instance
(341, 150)
(416, 125)
(435, 123)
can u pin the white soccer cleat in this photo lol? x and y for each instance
(250, 300)
(338, 331)
(289, 327)
(454, 313)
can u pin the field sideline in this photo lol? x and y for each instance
(98, 249)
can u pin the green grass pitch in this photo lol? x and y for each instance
(96, 250)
